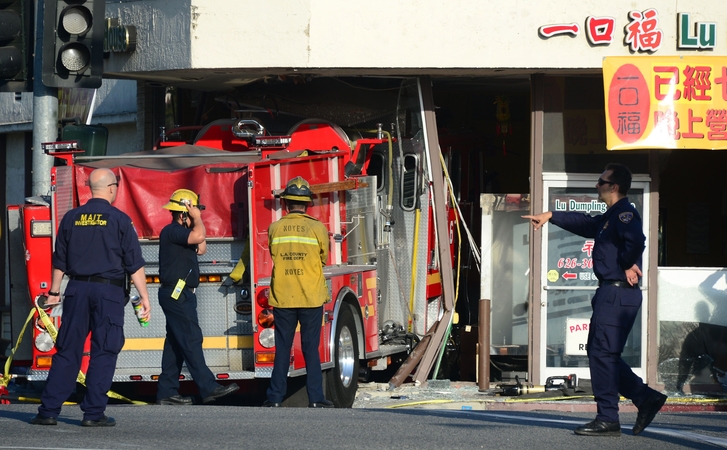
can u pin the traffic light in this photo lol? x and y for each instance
(73, 43)
(16, 37)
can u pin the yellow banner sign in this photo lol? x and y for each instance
(666, 102)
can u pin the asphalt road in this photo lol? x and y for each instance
(220, 427)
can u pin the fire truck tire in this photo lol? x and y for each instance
(342, 380)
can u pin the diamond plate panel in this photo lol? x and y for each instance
(220, 258)
(215, 310)
(263, 372)
(399, 257)
(146, 362)
(360, 214)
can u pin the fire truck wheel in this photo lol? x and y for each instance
(342, 380)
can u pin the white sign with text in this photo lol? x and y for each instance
(576, 336)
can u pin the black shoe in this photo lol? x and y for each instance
(321, 404)
(175, 400)
(648, 411)
(599, 428)
(102, 422)
(221, 391)
(40, 420)
(269, 404)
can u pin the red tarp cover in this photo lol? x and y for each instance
(147, 180)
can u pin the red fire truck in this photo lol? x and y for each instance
(372, 193)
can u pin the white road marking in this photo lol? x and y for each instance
(722, 442)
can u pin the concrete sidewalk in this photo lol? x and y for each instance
(463, 395)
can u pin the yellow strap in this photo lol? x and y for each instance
(81, 376)
(48, 324)
(5, 380)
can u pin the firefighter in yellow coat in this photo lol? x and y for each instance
(299, 248)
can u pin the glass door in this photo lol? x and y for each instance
(568, 281)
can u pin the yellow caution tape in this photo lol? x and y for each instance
(51, 328)
(5, 380)
(53, 332)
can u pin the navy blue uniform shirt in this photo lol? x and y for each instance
(619, 237)
(97, 239)
(177, 257)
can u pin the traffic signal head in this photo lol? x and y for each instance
(15, 39)
(73, 43)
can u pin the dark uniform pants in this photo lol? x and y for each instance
(94, 307)
(614, 312)
(182, 344)
(286, 321)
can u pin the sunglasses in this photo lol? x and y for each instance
(118, 178)
(601, 182)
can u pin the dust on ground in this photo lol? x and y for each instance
(383, 395)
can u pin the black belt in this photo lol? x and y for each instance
(102, 280)
(621, 284)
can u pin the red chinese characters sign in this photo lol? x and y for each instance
(666, 102)
(641, 34)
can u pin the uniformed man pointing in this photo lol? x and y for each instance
(619, 244)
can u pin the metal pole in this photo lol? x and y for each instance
(483, 340)
(487, 203)
(45, 112)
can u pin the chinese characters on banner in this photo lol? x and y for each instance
(665, 102)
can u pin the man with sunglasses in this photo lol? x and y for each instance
(96, 247)
(619, 245)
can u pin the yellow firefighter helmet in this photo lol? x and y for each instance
(180, 198)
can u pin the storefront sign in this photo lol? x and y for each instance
(576, 336)
(666, 102)
(641, 33)
(570, 257)
(704, 36)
